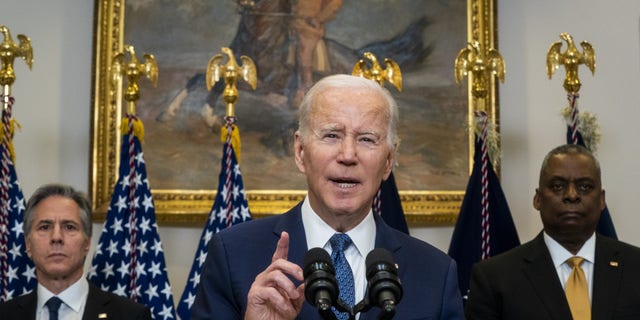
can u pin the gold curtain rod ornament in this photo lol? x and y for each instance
(132, 71)
(570, 59)
(390, 73)
(230, 72)
(481, 65)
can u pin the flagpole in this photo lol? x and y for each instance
(130, 243)
(9, 50)
(484, 227)
(582, 129)
(230, 205)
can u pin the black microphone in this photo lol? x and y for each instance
(321, 288)
(384, 287)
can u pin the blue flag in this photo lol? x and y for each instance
(387, 204)
(230, 207)
(135, 271)
(17, 272)
(605, 224)
(467, 241)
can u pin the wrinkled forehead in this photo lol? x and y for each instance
(351, 102)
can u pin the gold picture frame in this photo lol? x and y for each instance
(177, 206)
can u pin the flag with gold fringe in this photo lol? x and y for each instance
(484, 227)
(129, 259)
(17, 272)
(583, 129)
(230, 207)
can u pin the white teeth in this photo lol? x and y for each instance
(346, 185)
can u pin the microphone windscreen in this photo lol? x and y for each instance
(316, 255)
(377, 258)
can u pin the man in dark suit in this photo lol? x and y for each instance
(345, 145)
(57, 228)
(534, 280)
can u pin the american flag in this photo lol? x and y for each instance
(230, 207)
(129, 261)
(17, 273)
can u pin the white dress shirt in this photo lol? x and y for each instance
(363, 236)
(559, 255)
(73, 299)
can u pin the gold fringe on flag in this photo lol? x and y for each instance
(587, 126)
(493, 150)
(12, 125)
(235, 139)
(138, 128)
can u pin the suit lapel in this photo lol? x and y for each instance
(538, 268)
(28, 305)
(387, 239)
(292, 223)
(95, 303)
(607, 274)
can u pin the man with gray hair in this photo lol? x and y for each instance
(345, 146)
(57, 228)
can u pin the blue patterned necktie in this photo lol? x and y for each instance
(53, 305)
(339, 242)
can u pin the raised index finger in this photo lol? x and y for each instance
(282, 249)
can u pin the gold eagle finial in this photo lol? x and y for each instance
(390, 73)
(9, 50)
(571, 59)
(133, 70)
(481, 65)
(230, 72)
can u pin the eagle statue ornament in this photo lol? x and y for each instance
(571, 59)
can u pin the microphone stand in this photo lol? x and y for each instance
(387, 313)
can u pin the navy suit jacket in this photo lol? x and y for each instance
(238, 254)
(98, 303)
(523, 284)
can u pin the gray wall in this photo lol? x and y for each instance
(53, 105)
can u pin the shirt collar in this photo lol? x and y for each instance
(73, 296)
(559, 254)
(318, 232)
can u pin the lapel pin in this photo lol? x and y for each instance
(102, 316)
(613, 263)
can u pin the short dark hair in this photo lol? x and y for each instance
(570, 149)
(55, 189)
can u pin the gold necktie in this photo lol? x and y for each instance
(577, 291)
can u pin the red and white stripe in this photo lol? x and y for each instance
(486, 236)
(229, 172)
(5, 185)
(132, 210)
(573, 103)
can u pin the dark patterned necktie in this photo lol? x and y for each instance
(339, 242)
(53, 305)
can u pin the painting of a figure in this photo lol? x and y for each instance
(293, 44)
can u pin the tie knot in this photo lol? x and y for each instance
(340, 241)
(575, 262)
(53, 304)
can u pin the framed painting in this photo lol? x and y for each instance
(182, 118)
